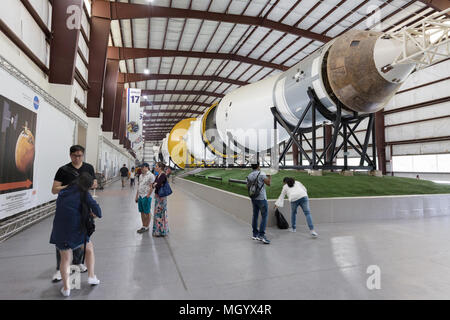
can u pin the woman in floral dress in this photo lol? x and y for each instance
(160, 220)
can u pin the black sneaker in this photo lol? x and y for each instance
(141, 230)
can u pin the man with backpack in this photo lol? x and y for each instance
(256, 182)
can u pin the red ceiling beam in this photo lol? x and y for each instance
(439, 5)
(122, 124)
(66, 19)
(188, 92)
(98, 48)
(120, 53)
(109, 97)
(171, 111)
(171, 103)
(118, 109)
(136, 77)
(162, 117)
(121, 10)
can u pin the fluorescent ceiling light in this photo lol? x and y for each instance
(147, 71)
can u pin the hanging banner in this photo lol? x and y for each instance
(133, 113)
(138, 139)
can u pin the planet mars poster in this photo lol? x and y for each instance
(17, 143)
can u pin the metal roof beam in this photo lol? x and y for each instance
(136, 77)
(188, 92)
(162, 103)
(120, 10)
(439, 5)
(64, 44)
(121, 53)
(171, 111)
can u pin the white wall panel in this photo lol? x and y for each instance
(81, 67)
(32, 35)
(43, 8)
(83, 47)
(421, 148)
(423, 94)
(435, 72)
(437, 110)
(421, 130)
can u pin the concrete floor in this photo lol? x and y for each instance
(209, 255)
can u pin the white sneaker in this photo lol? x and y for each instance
(292, 230)
(314, 234)
(82, 267)
(57, 276)
(93, 281)
(65, 293)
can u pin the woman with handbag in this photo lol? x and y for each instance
(72, 226)
(298, 197)
(162, 190)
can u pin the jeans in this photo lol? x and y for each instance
(259, 205)
(77, 257)
(304, 203)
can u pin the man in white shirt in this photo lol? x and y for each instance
(143, 194)
(298, 196)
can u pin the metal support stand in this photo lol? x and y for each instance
(342, 126)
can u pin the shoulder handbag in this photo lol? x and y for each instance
(281, 221)
(165, 190)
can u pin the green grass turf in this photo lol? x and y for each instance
(328, 185)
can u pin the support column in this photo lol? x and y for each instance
(92, 141)
(118, 110)
(380, 141)
(66, 24)
(123, 119)
(295, 154)
(109, 97)
(327, 135)
(98, 48)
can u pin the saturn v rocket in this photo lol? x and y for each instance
(355, 70)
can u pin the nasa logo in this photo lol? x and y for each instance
(36, 102)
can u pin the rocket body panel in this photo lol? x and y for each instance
(194, 142)
(245, 114)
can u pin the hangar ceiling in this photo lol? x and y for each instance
(187, 54)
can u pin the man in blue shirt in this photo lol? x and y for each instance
(259, 203)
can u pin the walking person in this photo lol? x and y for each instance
(132, 176)
(298, 196)
(68, 233)
(143, 196)
(124, 174)
(65, 176)
(160, 218)
(259, 202)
